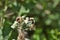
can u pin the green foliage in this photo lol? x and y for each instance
(45, 12)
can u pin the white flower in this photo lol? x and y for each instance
(13, 39)
(27, 20)
(23, 16)
(27, 39)
(14, 24)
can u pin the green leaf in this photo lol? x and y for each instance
(48, 21)
(56, 2)
(1, 37)
(23, 10)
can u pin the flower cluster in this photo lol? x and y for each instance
(24, 25)
(28, 21)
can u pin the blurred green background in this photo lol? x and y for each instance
(45, 12)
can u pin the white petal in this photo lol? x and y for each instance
(14, 24)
